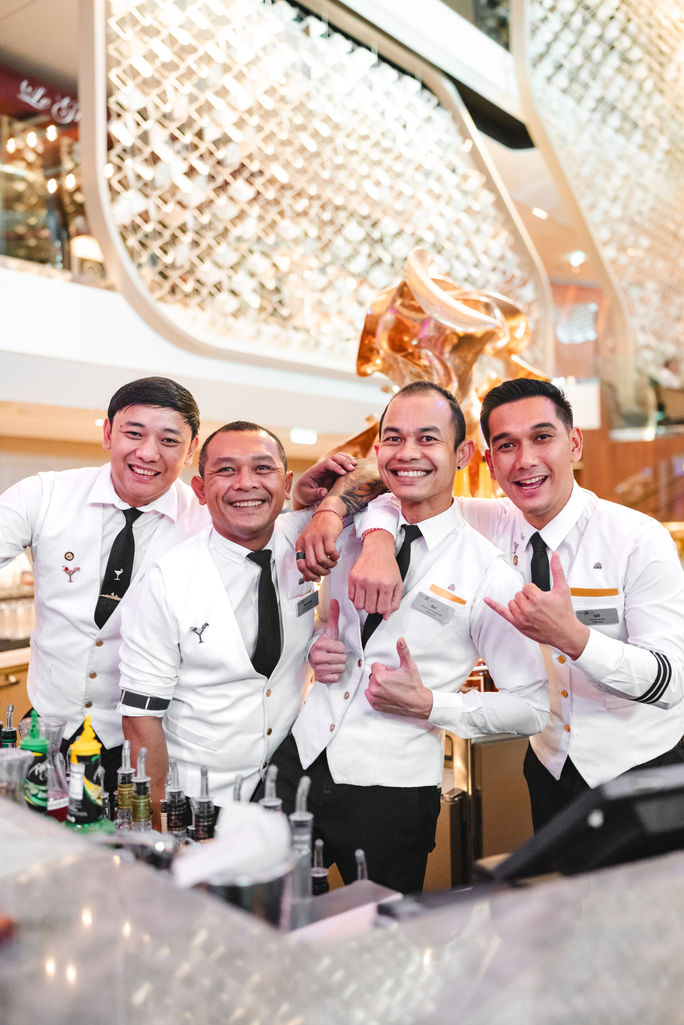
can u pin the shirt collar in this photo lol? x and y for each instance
(435, 528)
(103, 493)
(230, 549)
(557, 529)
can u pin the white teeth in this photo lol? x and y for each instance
(144, 473)
(411, 473)
(246, 505)
(532, 481)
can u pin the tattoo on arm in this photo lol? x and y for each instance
(357, 489)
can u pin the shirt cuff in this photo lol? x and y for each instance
(444, 704)
(377, 514)
(601, 656)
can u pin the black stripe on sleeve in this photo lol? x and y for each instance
(661, 682)
(150, 704)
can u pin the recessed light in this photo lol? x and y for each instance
(303, 436)
(541, 214)
(99, 423)
(577, 257)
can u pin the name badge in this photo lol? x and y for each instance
(433, 608)
(597, 617)
(308, 602)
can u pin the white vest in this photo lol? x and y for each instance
(366, 747)
(74, 666)
(223, 713)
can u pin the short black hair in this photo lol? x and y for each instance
(457, 417)
(238, 426)
(156, 391)
(524, 388)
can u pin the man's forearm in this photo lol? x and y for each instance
(356, 489)
(147, 731)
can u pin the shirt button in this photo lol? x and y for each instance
(346, 695)
(561, 659)
(566, 728)
(564, 693)
(360, 663)
(92, 675)
(332, 726)
(88, 704)
(98, 644)
(269, 731)
(268, 693)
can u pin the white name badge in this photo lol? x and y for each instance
(597, 617)
(308, 602)
(433, 608)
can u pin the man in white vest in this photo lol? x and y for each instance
(375, 777)
(604, 595)
(213, 660)
(71, 521)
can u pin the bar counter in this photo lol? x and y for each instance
(100, 939)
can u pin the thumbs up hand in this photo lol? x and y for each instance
(327, 657)
(399, 691)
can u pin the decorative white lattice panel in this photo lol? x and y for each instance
(268, 176)
(606, 78)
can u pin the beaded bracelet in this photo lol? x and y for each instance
(372, 530)
(333, 511)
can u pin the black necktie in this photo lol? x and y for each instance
(268, 645)
(374, 619)
(540, 563)
(117, 575)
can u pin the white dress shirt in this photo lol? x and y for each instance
(446, 626)
(69, 520)
(189, 633)
(620, 703)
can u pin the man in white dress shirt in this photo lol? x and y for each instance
(610, 613)
(375, 776)
(70, 521)
(210, 673)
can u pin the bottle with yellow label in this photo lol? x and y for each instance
(85, 751)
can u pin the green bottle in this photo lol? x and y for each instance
(36, 783)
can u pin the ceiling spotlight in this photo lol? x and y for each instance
(70, 181)
(51, 133)
(577, 257)
(541, 214)
(52, 185)
(99, 422)
(31, 139)
(303, 436)
(11, 145)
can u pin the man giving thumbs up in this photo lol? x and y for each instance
(376, 775)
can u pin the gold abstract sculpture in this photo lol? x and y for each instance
(432, 329)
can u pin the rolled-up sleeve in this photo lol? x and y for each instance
(19, 511)
(149, 654)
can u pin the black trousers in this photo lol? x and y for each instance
(548, 796)
(394, 826)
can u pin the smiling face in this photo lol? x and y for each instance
(416, 456)
(149, 447)
(531, 456)
(244, 486)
